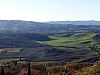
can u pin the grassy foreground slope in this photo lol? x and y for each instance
(72, 39)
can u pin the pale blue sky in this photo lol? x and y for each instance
(50, 10)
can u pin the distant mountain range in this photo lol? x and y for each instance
(19, 26)
(90, 22)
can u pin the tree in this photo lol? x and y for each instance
(29, 70)
(15, 63)
(2, 71)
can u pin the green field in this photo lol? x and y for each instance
(8, 60)
(8, 50)
(77, 39)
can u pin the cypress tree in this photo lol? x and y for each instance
(29, 70)
(15, 63)
(20, 59)
(2, 71)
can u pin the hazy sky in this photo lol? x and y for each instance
(50, 10)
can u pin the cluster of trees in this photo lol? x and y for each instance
(30, 68)
(91, 70)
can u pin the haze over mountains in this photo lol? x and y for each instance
(18, 26)
(89, 22)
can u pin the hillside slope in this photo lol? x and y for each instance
(22, 40)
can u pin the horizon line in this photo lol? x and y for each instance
(45, 21)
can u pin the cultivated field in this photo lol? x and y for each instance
(72, 39)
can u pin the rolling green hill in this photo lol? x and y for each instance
(73, 39)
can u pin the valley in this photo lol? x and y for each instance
(47, 44)
(37, 41)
